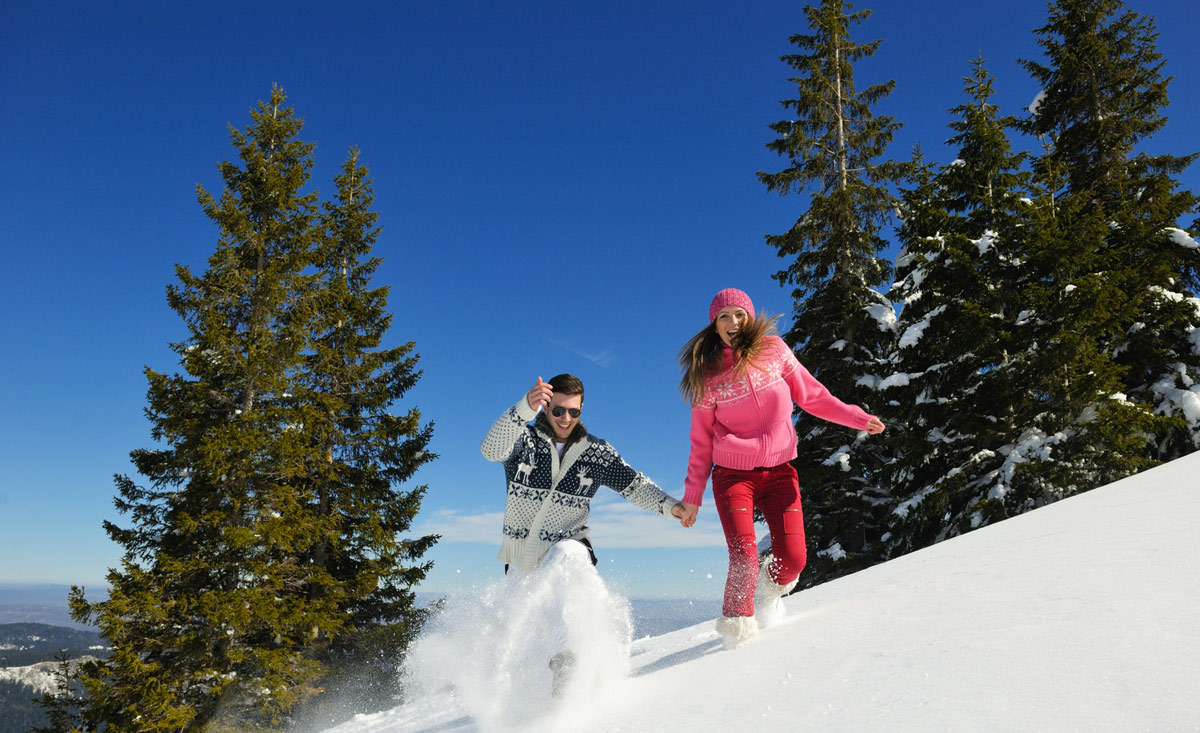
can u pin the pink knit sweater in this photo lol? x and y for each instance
(745, 420)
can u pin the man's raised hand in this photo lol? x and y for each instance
(539, 395)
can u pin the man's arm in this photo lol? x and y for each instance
(502, 437)
(635, 487)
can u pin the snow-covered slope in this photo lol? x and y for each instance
(39, 676)
(1083, 615)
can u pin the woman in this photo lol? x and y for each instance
(741, 380)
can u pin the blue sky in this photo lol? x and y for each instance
(563, 186)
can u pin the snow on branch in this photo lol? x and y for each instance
(1036, 104)
(1182, 238)
(913, 333)
(884, 315)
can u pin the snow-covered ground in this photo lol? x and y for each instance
(1083, 615)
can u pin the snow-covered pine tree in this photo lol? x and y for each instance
(1111, 281)
(1079, 430)
(221, 613)
(948, 389)
(842, 327)
(349, 386)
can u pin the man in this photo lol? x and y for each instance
(553, 468)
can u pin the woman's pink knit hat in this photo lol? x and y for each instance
(728, 297)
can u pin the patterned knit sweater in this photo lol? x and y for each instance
(548, 497)
(745, 419)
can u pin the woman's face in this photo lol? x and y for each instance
(730, 322)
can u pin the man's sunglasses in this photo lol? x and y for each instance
(558, 411)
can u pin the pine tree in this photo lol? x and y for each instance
(957, 272)
(349, 385)
(1108, 283)
(62, 705)
(842, 327)
(234, 582)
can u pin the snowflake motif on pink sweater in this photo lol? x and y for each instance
(730, 386)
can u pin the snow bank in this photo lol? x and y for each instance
(1081, 615)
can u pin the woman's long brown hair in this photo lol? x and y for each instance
(700, 357)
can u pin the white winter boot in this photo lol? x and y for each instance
(736, 630)
(768, 595)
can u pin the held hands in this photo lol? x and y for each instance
(875, 426)
(539, 395)
(685, 513)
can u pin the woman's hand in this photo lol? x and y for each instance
(875, 426)
(685, 513)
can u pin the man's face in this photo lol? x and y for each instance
(563, 424)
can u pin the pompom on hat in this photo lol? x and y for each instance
(728, 297)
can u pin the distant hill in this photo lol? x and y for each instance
(27, 652)
(27, 643)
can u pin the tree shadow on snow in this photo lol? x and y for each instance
(679, 657)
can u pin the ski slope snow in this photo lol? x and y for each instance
(1081, 615)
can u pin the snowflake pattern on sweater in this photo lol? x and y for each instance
(548, 498)
(776, 363)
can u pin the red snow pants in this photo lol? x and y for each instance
(776, 492)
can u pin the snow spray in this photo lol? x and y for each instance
(493, 649)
